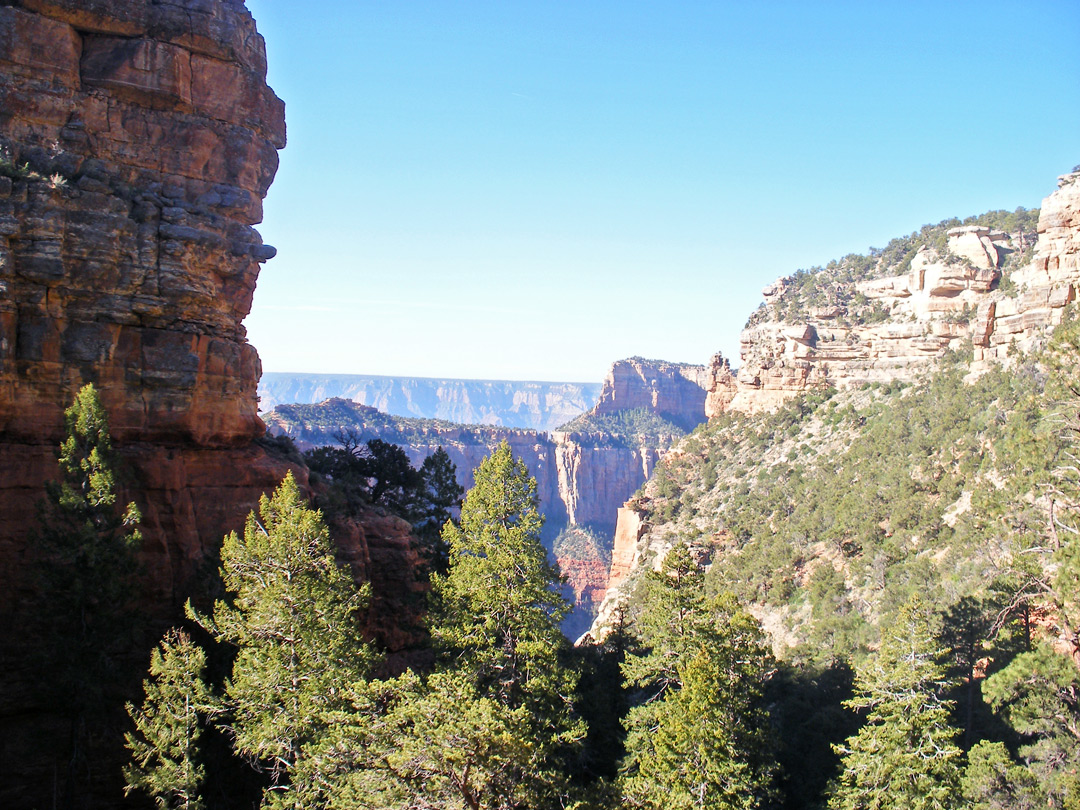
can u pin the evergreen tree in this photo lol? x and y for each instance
(488, 727)
(670, 629)
(670, 625)
(165, 746)
(710, 745)
(438, 500)
(291, 615)
(1038, 695)
(86, 581)
(905, 755)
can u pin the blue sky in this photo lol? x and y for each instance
(531, 190)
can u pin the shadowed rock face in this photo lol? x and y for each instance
(137, 140)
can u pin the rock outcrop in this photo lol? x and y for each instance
(674, 391)
(138, 141)
(944, 300)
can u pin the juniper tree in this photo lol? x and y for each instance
(437, 501)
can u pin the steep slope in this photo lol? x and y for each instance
(533, 405)
(829, 482)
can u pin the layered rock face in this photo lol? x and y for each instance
(138, 139)
(675, 391)
(943, 301)
(595, 477)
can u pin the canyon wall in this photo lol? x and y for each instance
(137, 140)
(945, 300)
(507, 403)
(674, 391)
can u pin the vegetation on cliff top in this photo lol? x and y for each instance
(632, 427)
(834, 284)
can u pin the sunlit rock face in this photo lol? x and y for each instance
(940, 304)
(675, 391)
(138, 140)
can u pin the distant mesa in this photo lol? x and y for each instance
(506, 403)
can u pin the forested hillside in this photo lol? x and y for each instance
(832, 516)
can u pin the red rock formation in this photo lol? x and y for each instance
(675, 391)
(139, 139)
(628, 531)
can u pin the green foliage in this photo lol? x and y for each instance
(697, 732)
(904, 756)
(165, 761)
(994, 781)
(86, 582)
(377, 473)
(291, 617)
(834, 284)
(632, 427)
(488, 727)
(1038, 694)
(438, 501)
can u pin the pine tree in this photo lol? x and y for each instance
(671, 623)
(438, 500)
(905, 755)
(704, 742)
(165, 746)
(486, 729)
(292, 617)
(86, 578)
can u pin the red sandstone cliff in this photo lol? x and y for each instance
(137, 140)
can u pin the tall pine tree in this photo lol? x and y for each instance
(291, 614)
(486, 729)
(86, 585)
(699, 735)
(905, 756)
